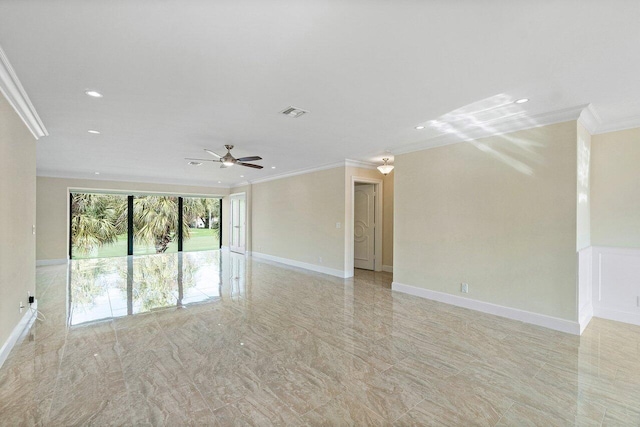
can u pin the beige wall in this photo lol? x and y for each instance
(497, 213)
(387, 221)
(584, 188)
(295, 218)
(17, 214)
(615, 189)
(53, 204)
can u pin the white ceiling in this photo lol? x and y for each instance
(180, 76)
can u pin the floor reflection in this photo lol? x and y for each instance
(115, 287)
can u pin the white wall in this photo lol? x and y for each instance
(499, 214)
(53, 208)
(18, 216)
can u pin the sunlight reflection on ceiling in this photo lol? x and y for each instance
(482, 118)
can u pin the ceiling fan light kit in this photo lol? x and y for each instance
(385, 169)
(228, 160)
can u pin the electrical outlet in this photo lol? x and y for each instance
(464, 288)
(21, 307)
(338, 225)
(320, 259)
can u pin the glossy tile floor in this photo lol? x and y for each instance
(246, 342)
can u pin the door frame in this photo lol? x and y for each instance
(349, 262)
(241, 195)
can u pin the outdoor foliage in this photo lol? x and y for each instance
(98, 219)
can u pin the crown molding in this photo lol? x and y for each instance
(298, 172)
(590, 119)
(17, 97)
(124, 178)
(508, 125)
(360, 164)
(621, 124)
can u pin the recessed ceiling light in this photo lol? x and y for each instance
(219, 182)
(97, 173)
(93, 93)
(522, 100)
(95, 132)
(273, 167)
(195, 163)
(419, 127)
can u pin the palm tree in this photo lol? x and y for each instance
(96, 220)
(155, 221)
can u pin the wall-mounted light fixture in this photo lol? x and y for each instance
(385, 168)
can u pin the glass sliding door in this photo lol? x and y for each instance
(155, 225)
(98, 225)
(201, 216)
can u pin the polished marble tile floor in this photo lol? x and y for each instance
(213, 338)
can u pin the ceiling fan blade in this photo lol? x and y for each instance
(249, 165)
(249, 159)
(213, 154)
(202, 160)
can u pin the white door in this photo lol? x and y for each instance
(364, 226)
(238, 224)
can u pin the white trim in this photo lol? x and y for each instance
(224, 248)
(586, 314)
(17, 97)
(43, 262)
(585, 287)
(349, 218)
(360, 164)
(590, 119)
(550, 322)
(128, 179)
(344, 163)
(620, 124)
(300, 264)
(24, 323)
(617, 315)
(298, 172)
(387, 268)
(508, 125)
(607, 295)
(142, 193)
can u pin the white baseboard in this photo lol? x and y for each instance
(550, 322)
(224, 248)
(617, 315)
(387, 268)
(42, 262)
(23, 325)
(586, 314)
(300, 264)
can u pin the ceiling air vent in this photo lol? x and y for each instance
(293, 112)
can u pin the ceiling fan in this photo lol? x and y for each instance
(228, 160)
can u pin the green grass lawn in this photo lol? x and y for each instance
(201, 239)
